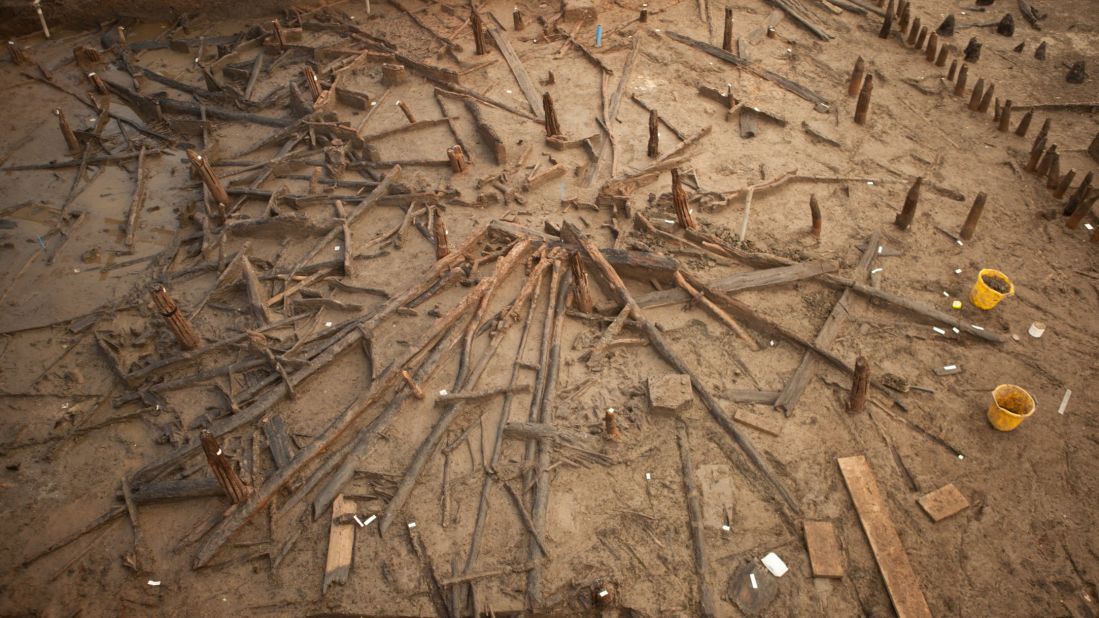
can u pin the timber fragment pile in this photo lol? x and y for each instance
(418, 341)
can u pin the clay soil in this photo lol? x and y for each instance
(77, 425)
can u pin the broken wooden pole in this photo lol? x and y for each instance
(953, 71)
(438, 232)
(904, 15)
(856, 77)
(644, 16)
(276, 30)
(1006, 27)
(1083, 209)
(887, 24)
(904, 219)
(1036, 154)
(1044, 131)
(223, 470)
(478, 27)
(407, 111)
(975, 97)
(206, 173)
(136, 202)
(913, 32)
(814, 211)
(679, 201)
(1005, 117)
(707, 607)
(417, 391)
(654, 134)
(393, 74)
(580, 282)
(727, 39)
(863, 105)
(98, 82)
(457, 158)
(553, 129)
(959, 86)
(1047, 161)
(975, 211)
(860, 385)
(517, 19)
(1064, 184)
(947, 27)
(67, 132)
(1053, 176)
(178, 323)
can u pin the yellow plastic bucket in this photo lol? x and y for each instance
(1010, 406)
(984, 297)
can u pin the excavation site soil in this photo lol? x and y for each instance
(410, 308)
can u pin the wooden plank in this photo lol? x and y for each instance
(517, 69)
(341, 541)
(943, 502)
(738, 282)
(825, 554)
(900, 580)
(278, 440)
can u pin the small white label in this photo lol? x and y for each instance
(959, 241)
(369, 520)
(957, 271)
(154, 582)
(337, 248)
(755, 584)
(726, 527)
(1064, 401)
(938, 330)
(358, 521)
(949, 367)
(648, 476)
(327, 324)
(876, 271)
(956, 330)
(946, 294)
(1089, 227)
(411, 525)
(880, 248)
(219, 451)
(443, 393)
(976, 327)
(603, 593)
(774, 564)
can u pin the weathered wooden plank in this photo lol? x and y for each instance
(738, 282)
(277, 440)
(825, 554)
(943, 502)
(767, 423)
(525, 84)
(900, 580)
(341, 541)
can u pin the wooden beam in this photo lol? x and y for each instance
(739, 282)
(341, 542)
(900, 580)
(534, 97)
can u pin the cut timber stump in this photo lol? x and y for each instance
(825, 554)
(943, 502)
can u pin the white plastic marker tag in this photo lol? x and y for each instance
(1089, 227)
(726, 527)
(648, 476)
(957, 271)
(938, 330)
(443, 393)
(775, 564)
(219, 451)
(1064, 401)
(880, 249)
(358, 521)
(956, 330)
(154, 582)
(603, 593)
(755, 584)
(976, 327)
(876, 271)
(411, 525)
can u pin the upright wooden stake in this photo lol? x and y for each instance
(904, 219)
(953, 71)
(1005, 117)
(944, 51)
(67, 131)
(863, 105)
(975, 211)
(644, 16)
(610, 426)
(206, 173)
(580, 282)
(311, 81)
(279, 38)
(978, 92)
(856, 77)
(986, 100)
(1079, 195)
(517, 19)
(178, 323)
(932, 47)
(438, 230)
(1053, 177)
(1036, 152)
(1044, 131)
(18, 56)
(860, 384)
(552, 128)
(914, 32)
(457, 158)
(1047, 161)
(1024, 124)
(223, 469)
(887, 24)
(1082, 210)
(654, 134)
(959, 86)
(814, 211)
(679, 200)
(478, 33)
(393, 74)
(904, 15)
(727, 40)
(1064, 184)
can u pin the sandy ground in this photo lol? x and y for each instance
(1026, 545)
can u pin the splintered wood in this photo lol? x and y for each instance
(900, 580)
(341, 543)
